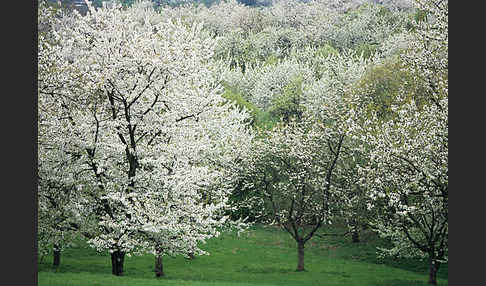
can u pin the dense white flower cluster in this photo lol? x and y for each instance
(248, 34)
(336, 75)
(260, 84)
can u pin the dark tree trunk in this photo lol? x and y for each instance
(159, 267)
(355, 236)
(433, 267)
(300, 252)
(57, 256)
(117, 258)
(191, 255)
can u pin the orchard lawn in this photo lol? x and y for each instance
(261, 256)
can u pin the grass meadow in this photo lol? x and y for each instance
(262, 256)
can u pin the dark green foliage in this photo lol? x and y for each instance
(271, 60)
(420, 15)
(248, 2)
(384, 12)
(366, 50)
(127, 3)
(233, 96)
(97, 3)
(238, 51)
(260, 119)
(416, 18)
(287, 106)
(326, 51)
(388, 84)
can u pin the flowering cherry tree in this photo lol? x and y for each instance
(142, 111)
(290, 176)
(407, 170)
(408, 173)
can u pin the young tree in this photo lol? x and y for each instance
(143, 111)
(290, 177)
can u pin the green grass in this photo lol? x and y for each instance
(263, 256)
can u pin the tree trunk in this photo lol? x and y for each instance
(57, 256)
(117, 258)
(159, 267)
(300, 251)
(433, 267)
(191, 255)
(355, 236)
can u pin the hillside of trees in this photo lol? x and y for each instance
(162, 124)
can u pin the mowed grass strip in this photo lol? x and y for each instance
(262, 256)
